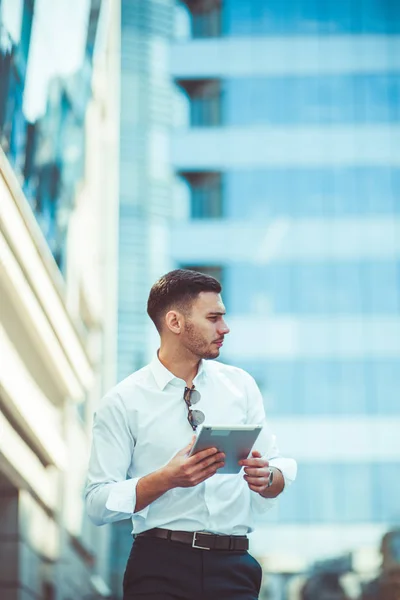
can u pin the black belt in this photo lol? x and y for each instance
(200, 539)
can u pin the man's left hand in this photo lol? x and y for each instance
(257, 473)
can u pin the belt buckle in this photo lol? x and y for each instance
(194, 540)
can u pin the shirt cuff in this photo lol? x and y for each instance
(288, 468)
(122, 498)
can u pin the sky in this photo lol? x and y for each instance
(57, 44)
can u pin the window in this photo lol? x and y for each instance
(385, 384)
(319, 288)
(328, 386)
(206, 17)
(26, 30)
(206, 194)
(320, 99)
(256, 17)
(386, 492)
(312, 192)
(205, 101)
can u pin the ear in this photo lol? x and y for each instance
(174, 321)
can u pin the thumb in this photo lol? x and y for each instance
(187, 448)
(256, 454)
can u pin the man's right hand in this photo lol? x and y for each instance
(188, 471)
(181, 471)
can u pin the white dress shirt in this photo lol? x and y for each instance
(142, 423)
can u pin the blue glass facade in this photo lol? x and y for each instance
(144, 193)
(352, 283)
(309, 17)
(328, 386)
(47, 152)
(346, 494)
(318, 287)
(348, 191)
(14, 50)
(305, 100)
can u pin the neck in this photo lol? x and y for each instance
(181, 362)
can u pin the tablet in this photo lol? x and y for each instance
(236, 441)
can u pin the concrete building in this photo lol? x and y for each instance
(58, 247)
(287, 155)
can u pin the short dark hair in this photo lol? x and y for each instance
(178, 289)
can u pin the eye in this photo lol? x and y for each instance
(213, 319)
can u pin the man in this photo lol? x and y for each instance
(190, 523)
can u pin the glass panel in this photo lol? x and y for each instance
(294, 192)
(328, 386)
(386, 493)
(280, 285)
(240, 280)
(370, 494)
(382, 289)
(385, 383)
(354, 486)
(284, 386)
(258, 17)
(318, 288)
(361, 98)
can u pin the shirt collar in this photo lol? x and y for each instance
(163, 377)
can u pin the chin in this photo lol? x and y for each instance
(207, 352)
(212, 354)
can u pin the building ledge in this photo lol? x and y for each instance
(37, 288)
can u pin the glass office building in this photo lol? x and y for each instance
(145, 174)
(287, 154)
(145, 196)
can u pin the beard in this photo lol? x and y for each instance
(197, 344)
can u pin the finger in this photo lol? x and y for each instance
(199, 456)
(216, 463)
(256, 481)
(256, 488)
(256, 454)
(254, 462)
(256, 472)
(193, 473)
(213, 461)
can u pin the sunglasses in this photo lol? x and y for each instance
(195, 417)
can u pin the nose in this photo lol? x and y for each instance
(223, 329)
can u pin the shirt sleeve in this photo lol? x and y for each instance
(266, 444)
(109, 495)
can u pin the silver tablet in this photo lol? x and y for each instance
(236, 441)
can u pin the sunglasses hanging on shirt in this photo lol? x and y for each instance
(195, 417)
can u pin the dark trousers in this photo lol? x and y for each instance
(159, 569)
